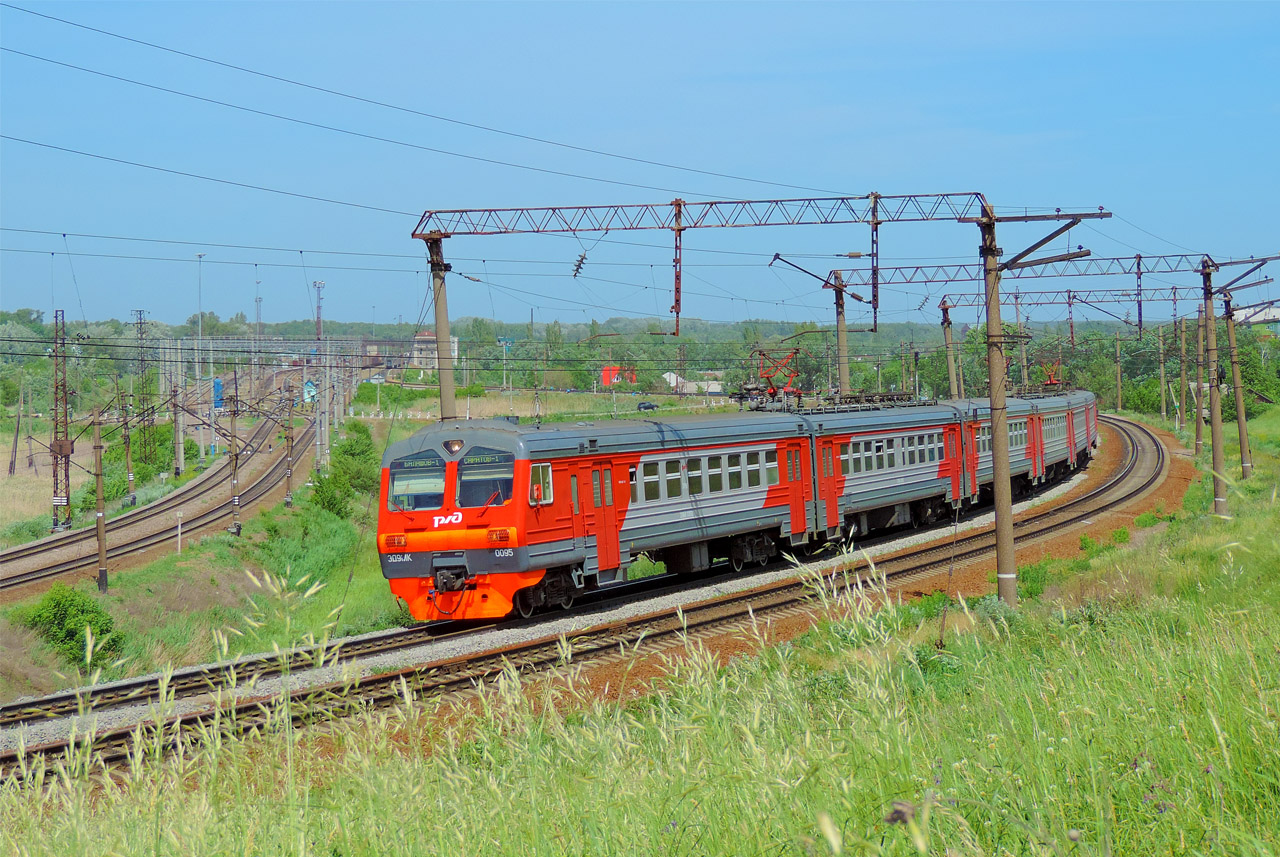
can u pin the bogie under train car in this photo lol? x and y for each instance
(482, 517)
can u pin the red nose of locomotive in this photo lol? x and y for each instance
(448, 536)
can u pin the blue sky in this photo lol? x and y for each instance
(1164, 113)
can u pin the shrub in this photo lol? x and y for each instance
(995, 611)
(1120, 536)
(1146, 519)
(60, 618)
(333, 494)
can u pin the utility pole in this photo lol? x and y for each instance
(235, 456)
(101, 520)
(128, 445)
(1199, 379)
(951, 351)
(1182, 373)
(178, 456)
(1164, 414)
(1119, 388)
(1002, 487)
(288, 446)
(1246, 457)
(61, 446)
(1215, 394)
(321, 410)
(1022, 341)
(444, 351)
(319, 286)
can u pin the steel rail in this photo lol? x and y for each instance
(465, 672)
(192, 490)
(263, 486)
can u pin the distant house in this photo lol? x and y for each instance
(611, 375)
(699, 387)
(424, 350)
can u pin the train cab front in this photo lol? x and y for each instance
(448, 527)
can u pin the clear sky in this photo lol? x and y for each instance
(1164, 113)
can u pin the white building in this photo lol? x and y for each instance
(424, 350)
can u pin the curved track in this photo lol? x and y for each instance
(1145, 462)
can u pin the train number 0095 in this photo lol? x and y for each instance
(504, 552)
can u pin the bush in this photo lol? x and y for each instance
(333, 494)
(60, 618)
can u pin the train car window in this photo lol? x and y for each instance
(771, 467)
(855, 457)
(573, 493)
(540, 493)
(891, 457)
(417, 482)
(879, 460)
(910, 453)
(652, 491)
(933, 447)
(753, 469)
(826, 453)
(735, 472)
(635, 486)
(595, 489)
(608, 486)
(715, 474)
(695, 476)
(844, 459)
(485, 477)
(673, 479)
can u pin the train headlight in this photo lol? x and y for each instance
(500, 536)
(453, 446)
(396, 541)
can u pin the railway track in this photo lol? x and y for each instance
(256, 491)
(1145, 461)
(196, 488)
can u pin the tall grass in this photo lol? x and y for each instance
(1133, 711)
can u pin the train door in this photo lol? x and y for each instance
(799, 486)
(954, 456)
(1035, 445)
(575, 500)
(829, 483)
(606, 519)
(1071, 438)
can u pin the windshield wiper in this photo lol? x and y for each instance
(494, 496)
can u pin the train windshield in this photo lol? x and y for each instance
(417, 482)
(484, 477)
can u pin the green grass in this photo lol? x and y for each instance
(1131, 709)
(225, 596)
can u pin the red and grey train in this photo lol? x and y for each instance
(482, 517)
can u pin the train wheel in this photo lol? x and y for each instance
(763, 561)
(566, 601)
(524, 603)
(736, 563)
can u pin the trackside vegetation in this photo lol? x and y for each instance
(1130, 708)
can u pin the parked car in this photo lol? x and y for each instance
(646, 406)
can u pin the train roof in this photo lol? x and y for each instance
(560, 439)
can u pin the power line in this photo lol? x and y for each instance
(208, 178)
(360, 134)
(421, 113)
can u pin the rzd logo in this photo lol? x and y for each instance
(455, 518)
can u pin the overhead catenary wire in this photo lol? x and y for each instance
(421, 113)
(229, 182)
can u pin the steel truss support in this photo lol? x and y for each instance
(873, 209)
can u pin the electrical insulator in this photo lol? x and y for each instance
(577, 266)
